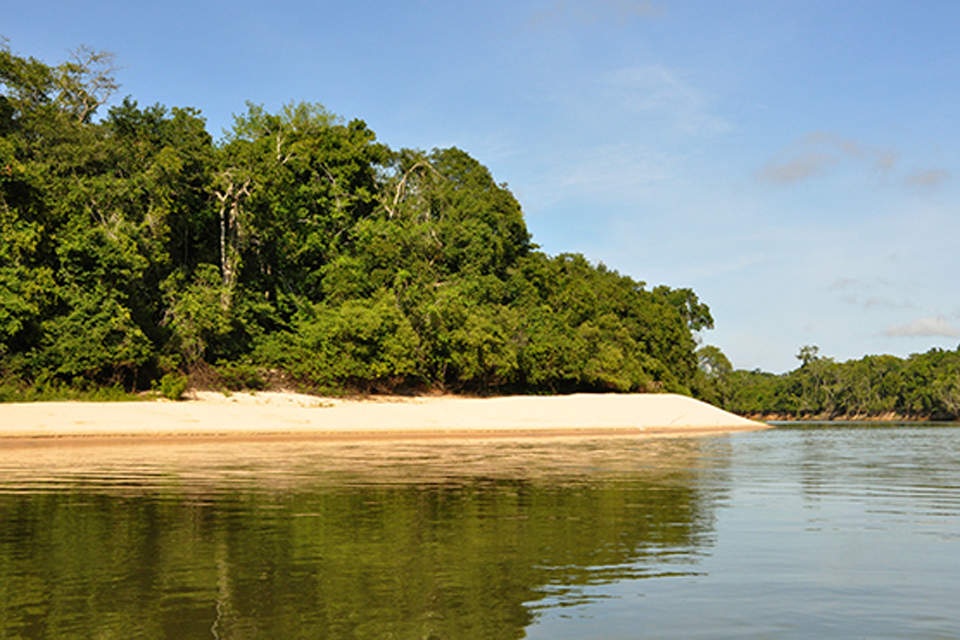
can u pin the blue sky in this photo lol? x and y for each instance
(795, 163)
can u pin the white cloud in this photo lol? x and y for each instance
(923, 327)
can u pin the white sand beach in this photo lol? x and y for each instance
(267, 415)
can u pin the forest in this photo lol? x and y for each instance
(923, 386)
(138, 252)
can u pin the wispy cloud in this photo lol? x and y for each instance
(931, 326)
(875, 302)
(796, 169)
(655, 90)
(595, 11)
(812, 154)
(869, 294)
(626, 9)
(650, 87)
(885, 159)
(926, 178)
(609, 168)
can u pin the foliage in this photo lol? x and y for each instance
(136, 247)
(237, 376)
(921, 386)
(172, 386)
(53, 390)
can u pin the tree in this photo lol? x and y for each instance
(85, 82)
(133, 245)
(94, 338)
(75, 88)
(808, 354)
(291, 188)
(695, 313)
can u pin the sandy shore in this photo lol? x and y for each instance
(293, 416)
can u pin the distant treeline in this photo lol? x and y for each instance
(135, 248)
(922, 386)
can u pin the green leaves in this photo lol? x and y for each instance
(195, 312)
(358, 343)
(135, 245)
(475, 223)
(922, 386)
(94, 337)
(75, 88)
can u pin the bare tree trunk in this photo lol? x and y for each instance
(230, 198)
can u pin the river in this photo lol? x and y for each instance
(825, 531)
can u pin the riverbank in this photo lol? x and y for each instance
(888, 416)
(213, 416)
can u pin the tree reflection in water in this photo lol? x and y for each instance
(363, 540)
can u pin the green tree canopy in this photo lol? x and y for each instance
(299, 246)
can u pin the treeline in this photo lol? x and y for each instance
(134, 248)
(922, 386)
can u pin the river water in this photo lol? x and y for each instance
(797, 532)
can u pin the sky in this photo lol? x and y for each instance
(795, 163)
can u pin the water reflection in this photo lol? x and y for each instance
(888, 465)
(297, 539)
(826, 532)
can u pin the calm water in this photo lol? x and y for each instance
(820, 532)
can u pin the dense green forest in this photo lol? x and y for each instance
(922, 386)
(296, 250)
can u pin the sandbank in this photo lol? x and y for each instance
(243, 416)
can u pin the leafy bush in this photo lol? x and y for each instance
(172, 386)
(238, 376)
